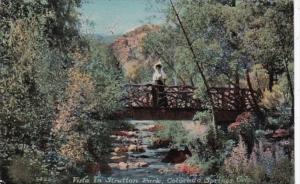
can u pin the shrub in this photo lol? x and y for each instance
(22, 171)
(204, 117)
(244, 118)
(244, 126)
(210, 151)
(273, 99)
(237, 162)
(174, 131)
(238, 167)
(283, 172)
(263, 166)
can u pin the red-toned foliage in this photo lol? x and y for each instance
(279, 133)
(245, 117)
(187, 169)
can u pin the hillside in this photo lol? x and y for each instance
(128, 49)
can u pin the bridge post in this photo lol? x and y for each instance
(154, 96)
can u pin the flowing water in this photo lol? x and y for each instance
(155, 171)
(152, 157)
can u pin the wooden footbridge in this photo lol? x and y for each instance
(154, 102)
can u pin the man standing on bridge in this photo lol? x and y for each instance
(159, 79)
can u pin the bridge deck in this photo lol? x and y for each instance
(172, 114)
(154, 102)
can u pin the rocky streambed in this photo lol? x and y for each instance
(139, 155)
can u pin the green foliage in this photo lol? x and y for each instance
(204, 117)
(174, 131)
(260, 167)
(217, 148)
(107, 77)
(210, 151)
(52, 79)
(58, 87)
(260, 133)
(230, 39)
(283, 172)
(273, 99)
(167, 46)
(278, 105)
(22, 170)
(227, 40)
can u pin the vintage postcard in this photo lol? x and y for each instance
(147, 91)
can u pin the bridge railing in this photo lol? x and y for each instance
(233, 99)
(158, 96)
(183, 97)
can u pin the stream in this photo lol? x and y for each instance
(152, 157)
(145, 165)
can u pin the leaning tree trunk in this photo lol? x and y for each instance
(271, 80)
(257, 110)
(237, 89)
(290, 83)
(199, 67)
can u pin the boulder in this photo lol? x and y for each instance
(123, 166)
(177, 156)
(159, 143)
(121, 149)
(105, 168)
(141, 164)
(132, 147)
(154, 128)
(121, 158)
(131, 134)
(132, 141)
(114, 165)
(166, 170)
(135, 148)
(132, 165)
(96, 168)
(128, 134)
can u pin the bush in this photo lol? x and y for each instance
(244, 126)
(241, 169)
(210, 151)
(237, 162)
(51, 84)
(263, 166)
(283, 172)
(22, 171)
(174, 131)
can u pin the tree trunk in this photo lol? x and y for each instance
(175, 79)
(200, 69)
(290, 83)
(190, 47)
(257, 110)
(233, 3)
(271, 80)
(259, 90)
(237, 77)
(192, 82)
(237, 89)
